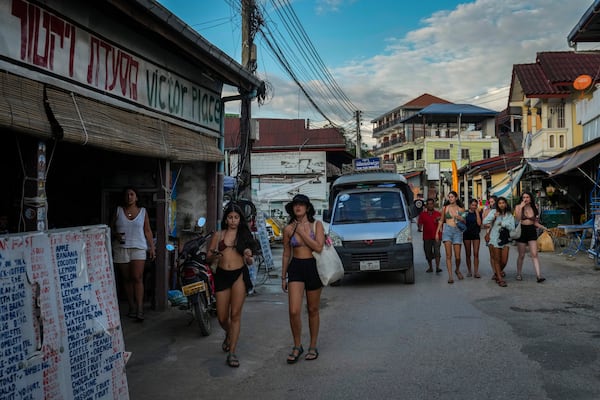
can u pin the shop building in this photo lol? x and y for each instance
(99, 95)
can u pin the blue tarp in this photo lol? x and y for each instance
(449, 113)
(228, 183)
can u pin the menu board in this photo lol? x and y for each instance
(60, 331)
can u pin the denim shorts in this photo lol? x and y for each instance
(124, 256)
(452, 234)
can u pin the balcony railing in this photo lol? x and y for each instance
(387, 125)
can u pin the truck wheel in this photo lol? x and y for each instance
(409, 275)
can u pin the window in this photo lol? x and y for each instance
(561, 141)
(487, 153)
(441, 154)
(464, 154)
(419, 154)
(551, 141)
(556, 116)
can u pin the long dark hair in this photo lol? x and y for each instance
(506, 210)
(458, 202)
(531, 203)
(243, 239)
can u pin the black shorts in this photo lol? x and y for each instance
(224, 278)
(431, 248)
(304, 270)
(528, 232)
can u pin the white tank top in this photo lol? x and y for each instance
(133, 229)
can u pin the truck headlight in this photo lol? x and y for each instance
(335, 238)
(404, 236)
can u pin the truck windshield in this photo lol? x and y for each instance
(375, 206)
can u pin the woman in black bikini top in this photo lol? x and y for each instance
(233, 247)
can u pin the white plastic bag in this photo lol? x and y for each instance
(329, 264)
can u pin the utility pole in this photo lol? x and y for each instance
(249, 27)
(358, 139)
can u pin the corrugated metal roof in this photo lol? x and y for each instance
(588, 27)
(286, 134)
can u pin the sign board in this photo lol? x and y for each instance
(60, 331)
(60, 47)
(365, 164)
(263, 238)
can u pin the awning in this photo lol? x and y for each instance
(90, 122)
(22, 106)
(567, 160)
(409, 175)
(588, 27)
(505, 187)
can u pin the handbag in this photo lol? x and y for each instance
(516, 233)
(329, 264)
(461, 226)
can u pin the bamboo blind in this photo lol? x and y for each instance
(90, 122)
(22, 105)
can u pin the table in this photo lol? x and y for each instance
(577, 235)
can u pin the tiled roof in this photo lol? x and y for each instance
(553, 73)
(285, 134)
(565, 66)
(423, 101)
(534, 82)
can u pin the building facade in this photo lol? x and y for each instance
(101, 95)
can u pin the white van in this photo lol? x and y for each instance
(369, 220)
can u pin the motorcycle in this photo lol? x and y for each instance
(197, 281)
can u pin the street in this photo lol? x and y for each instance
(380, 338)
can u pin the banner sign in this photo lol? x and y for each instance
(60, 331)
(38, 37)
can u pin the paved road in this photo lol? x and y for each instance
(381, 338)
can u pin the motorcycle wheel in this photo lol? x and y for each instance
(202, 315)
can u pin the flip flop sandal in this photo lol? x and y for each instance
(293, 358)
(232, 360)
(502, 284)
(477, 276)
(225, 345)
(459, 275)
(312, 354)
(519, 278)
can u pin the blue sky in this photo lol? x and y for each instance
(387, 52)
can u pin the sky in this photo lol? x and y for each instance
(385, 53)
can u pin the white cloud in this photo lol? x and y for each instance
(456, 55)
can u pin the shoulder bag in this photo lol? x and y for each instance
(329, 264)
(516, 233)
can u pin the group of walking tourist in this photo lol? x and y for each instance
(455, 227)
(232, 249)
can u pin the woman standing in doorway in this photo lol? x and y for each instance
(527, 214)
(233, 247)
(501, 222)
(301, 237)
(452, 236)
(132, 239)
